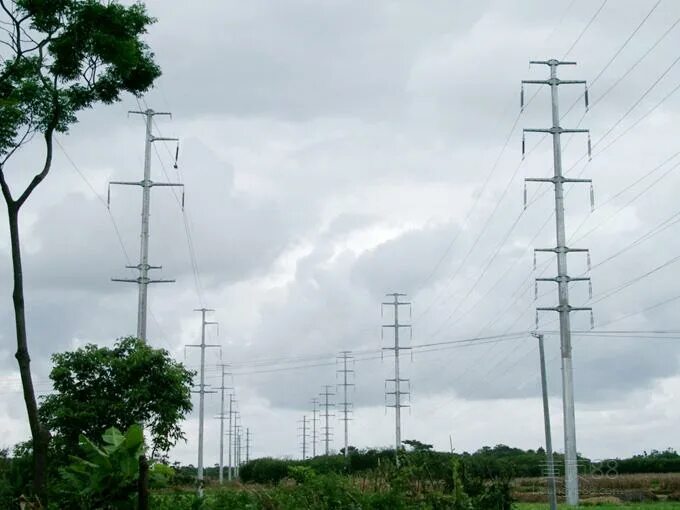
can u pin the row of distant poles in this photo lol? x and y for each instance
(235, 432)
(310, 432)
(397, 392)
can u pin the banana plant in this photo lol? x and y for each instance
(105, 477)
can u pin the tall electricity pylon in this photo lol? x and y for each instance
(563, 279)
(346, 405)
(230, 434)
(249, 442)
(222, 416)
(398, 392)
(146, 184)
(326, 404)
(315, 419)
(304, 434)
(237, 447)
(201, 392)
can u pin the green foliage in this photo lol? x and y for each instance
(106, 478)
(160, 475)
(417, 445)
(425, 479)
(99, 387)
(265, 470)
(68, 55)
(666, 461)
(6, 490)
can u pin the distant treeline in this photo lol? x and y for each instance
(500, 461)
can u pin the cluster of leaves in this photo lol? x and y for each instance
(667, 461)
(425, 479)
(101, 387)
(69, 55)
(105, 477)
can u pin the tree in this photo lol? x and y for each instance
(417, 446)
(59, 57)
(101, 387)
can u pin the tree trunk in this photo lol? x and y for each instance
(143, 484)
(39, 433)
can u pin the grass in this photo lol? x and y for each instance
(664, 505)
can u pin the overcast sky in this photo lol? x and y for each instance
(334, 151)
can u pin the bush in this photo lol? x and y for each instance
(265, 470)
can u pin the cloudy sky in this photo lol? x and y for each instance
(336, 151)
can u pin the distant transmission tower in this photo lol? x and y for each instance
(237, 448)
(326, 404)
(315, 420)
(146, 184)
(201, 392)
(304, 435)
(345, 405)
(249, 443)
(563, 279)
(230, 434)
(397, 380)
(222, 416)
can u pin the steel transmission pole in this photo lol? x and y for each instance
(315, 419)
(552, 489)
(304, 434)
(201, 392)
(238, 450)
(326, 404)
(346, 405)
(563, 279)
(230, 472)
(398, 392)
(222, 416)
(248, 443)
(146, 184)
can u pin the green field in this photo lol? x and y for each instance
(675, 505)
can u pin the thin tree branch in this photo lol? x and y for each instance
(49, 132)
(6, 192)
(17, 28)
(22, 141)
(8, 12)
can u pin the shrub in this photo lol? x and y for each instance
(265, 470)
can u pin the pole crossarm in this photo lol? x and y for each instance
(554, 62)
(140, 280)
(555, 130)
(149, 112)
(555, 81)
(553, 180)
(562, 249)
(558, 279)
(564, 308)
